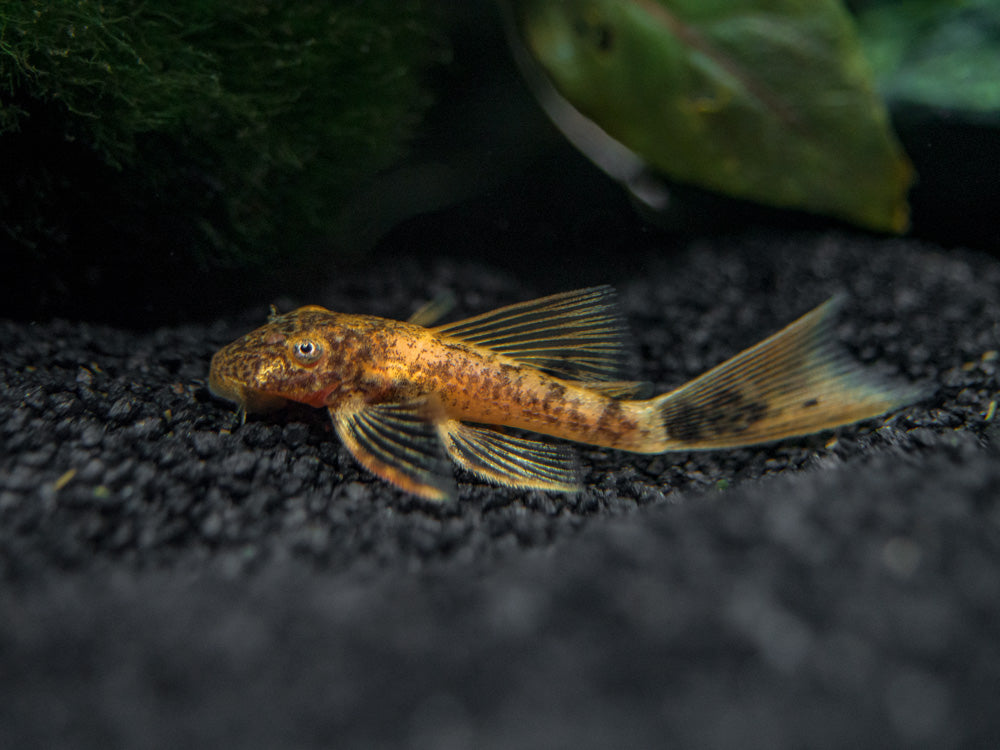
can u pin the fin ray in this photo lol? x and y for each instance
(578, 335)
(399, 443)
(433, 310)
(622, 388)
(510, 460)
(796, 382)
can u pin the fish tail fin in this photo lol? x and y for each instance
(796, 382)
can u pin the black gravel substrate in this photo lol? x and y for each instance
(169, 580)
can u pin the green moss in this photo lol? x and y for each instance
(237, 127)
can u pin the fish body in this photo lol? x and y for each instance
(405, 398)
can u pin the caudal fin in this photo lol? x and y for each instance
(796, 382)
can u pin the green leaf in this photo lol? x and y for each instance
(941, 53)
(767, 100)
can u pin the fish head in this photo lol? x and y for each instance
(292, 358)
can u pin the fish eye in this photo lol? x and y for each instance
(307, 352)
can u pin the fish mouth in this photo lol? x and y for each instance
(250, 401)
(221, 385)
(224, 388)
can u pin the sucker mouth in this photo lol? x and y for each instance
(252, 402)
(222, 388)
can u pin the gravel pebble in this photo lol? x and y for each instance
(840, 590)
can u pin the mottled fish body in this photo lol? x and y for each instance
(404, 397)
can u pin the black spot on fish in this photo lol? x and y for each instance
(727, 414)
(555, 392)
(612, 413)
(810, 403)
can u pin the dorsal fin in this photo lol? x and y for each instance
(433, 310)
(578, 335)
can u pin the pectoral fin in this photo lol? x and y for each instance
(509, 460)
(399, 443)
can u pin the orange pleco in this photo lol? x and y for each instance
(404, 398)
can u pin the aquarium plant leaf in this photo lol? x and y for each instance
(938, 53)
(767, 100)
